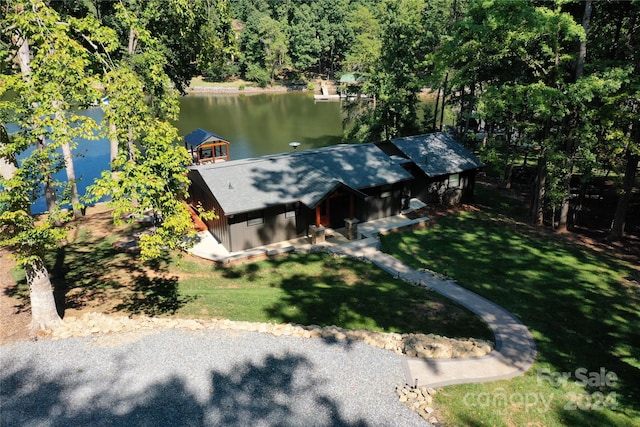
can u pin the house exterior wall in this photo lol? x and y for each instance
(258, 228)
(381, 202)
(199, 194)
(445, 189)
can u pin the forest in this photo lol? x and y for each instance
(546, 92)
(553, 82)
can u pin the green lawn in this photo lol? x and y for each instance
(581, 306)
(322, 290)
(306, 289)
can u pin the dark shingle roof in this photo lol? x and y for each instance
(200, 136)
(306, 176)
(437, 154)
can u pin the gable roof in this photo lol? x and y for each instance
(200, 136)
(437, 154)
(351, 78)
(301, 176)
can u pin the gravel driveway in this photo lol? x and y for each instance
(202, 378)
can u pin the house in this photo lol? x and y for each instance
(275, 198)
(206, 147)
(444, 171)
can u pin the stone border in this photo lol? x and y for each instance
(420, 400)
(413, 345)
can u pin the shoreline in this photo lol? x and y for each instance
(234, 90)
(253, 90)
(247, 90)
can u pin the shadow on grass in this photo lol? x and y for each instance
(351, 294)
(89, 271)
(153, 296)
(273, 391)
(574, 300)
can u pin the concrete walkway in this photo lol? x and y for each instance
(514, 351)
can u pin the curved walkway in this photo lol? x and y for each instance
(514, 351)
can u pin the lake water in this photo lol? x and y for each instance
(262, 124)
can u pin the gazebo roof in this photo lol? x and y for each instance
(351, 78)
(200, 136)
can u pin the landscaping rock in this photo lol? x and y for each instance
(419, 400)
(412, 345)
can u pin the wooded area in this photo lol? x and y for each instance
(553, 83)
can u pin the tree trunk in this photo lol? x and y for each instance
(24, 59)
(435, 113)
(8, 164)
(444, 94)
(24, 56)
(113, 147)
(133, 42)
(564, 216)
(49, 189)
(617, 227)
(563, 221)
(537, 202)
(44, 314)
(579, 206)
(582, 53)
(508, 160)
(71, 176)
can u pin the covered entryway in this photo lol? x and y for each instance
(333, 210)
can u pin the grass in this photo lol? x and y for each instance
(201, 82)
(89, 275)
(580, 304)
(323, 290)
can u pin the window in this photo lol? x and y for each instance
(255, 218)
(385, 192)
(454, 180)
(206, 153)
(290, 214)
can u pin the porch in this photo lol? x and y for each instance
(208, 247)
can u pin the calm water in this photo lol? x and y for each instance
(257, 125)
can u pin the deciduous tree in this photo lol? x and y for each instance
(48, 81)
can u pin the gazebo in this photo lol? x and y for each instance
(206, 147)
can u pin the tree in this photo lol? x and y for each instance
(364, 53)
(397, 76)
(219, 50)
(303, 46)
(48, 82)
(334, 36)
(516, 60)
(615, 43)
(150, 171)
(265, 48)
(149, 167)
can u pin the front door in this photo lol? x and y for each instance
(322, 214)
(332, 212)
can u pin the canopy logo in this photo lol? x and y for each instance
(584, 400)
(581, 376)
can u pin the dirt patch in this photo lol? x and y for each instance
(14, 318)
